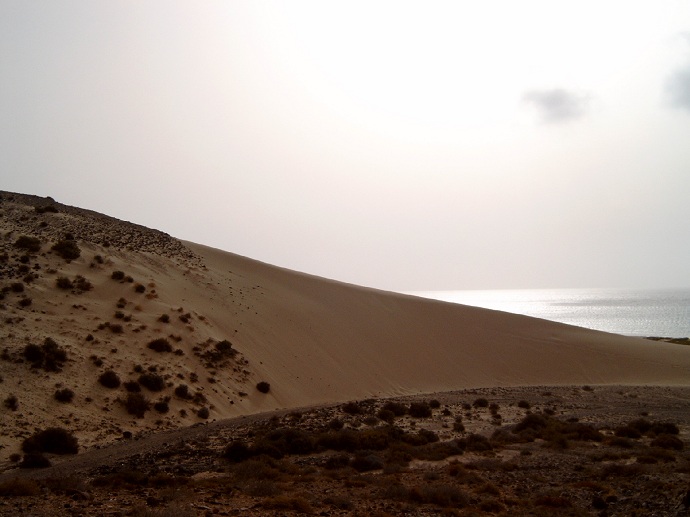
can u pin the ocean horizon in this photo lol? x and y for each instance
(631, 312)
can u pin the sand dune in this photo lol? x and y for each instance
(313, 340)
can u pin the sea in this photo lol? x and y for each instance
(648, 313)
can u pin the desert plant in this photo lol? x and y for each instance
(64, 395)
(118, 275)
(152, 381)
(182, 391)
(203, 413)
(132, 386)
(31, 244)
(161, 406)
(64, 283)
(53, 440)
(420, 410)
(19, 487)
(481, 403)
(109, 379)
(50, 356)
(160, 345)
(137, 404)
(35, 460)
(67, 249)
(11, 402)
(263, 387)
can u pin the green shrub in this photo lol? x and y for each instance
(67, 249)
(52, 440)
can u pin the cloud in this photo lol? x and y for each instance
(558, 105)
(677, 90)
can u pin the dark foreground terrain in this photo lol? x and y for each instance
(510, 451)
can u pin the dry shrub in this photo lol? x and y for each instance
(64, 395)
(19, 487)
(67, 249)
(152, 381)
(444, 495)
(263, 387)
(109, 379)
(160, 345)
(24, 242)
(53, 440)
(291, 503)
(137, 404)
(35, 460)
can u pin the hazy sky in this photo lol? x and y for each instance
(400, 145)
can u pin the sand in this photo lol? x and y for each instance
(313, 340)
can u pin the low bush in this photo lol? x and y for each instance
(132, 386)
(67, 249)
(34, 460)
(152, 381)
(64, 283)
(11, 402)
(160, 345)
(420, 410)
(137, 404)
(52, 440)
(162, 406)
(118, 275)
(396, 408)
(182, 391)
(64, 395)
(49, 356)
(263, 387)
(19, 487)
(31, 244)
(109, 379)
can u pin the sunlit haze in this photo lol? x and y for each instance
(398, 145)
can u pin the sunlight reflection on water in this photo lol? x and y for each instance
(660, 312)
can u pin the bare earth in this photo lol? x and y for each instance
(190, 334)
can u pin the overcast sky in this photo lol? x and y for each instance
(399, 145)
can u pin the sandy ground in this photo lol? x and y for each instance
(313, 340)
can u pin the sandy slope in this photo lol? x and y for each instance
(313, 340)
(320, 340)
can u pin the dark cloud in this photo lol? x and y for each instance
(557, 105)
